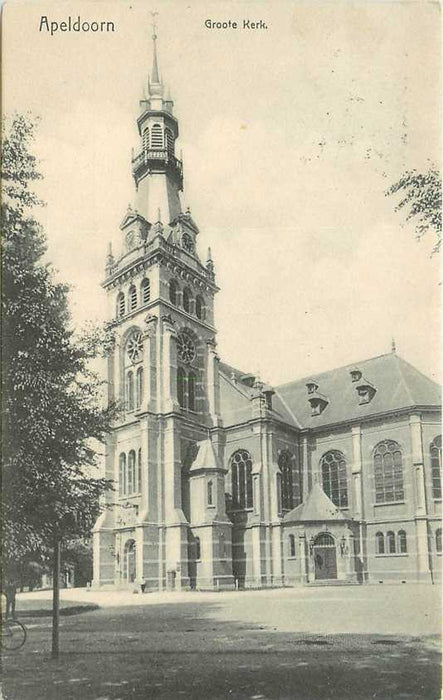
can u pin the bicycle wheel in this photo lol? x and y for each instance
(13, 635)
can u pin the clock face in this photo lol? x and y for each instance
(187, 242)
(185, 348)
(135, 347)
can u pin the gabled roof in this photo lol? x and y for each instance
(130, 217)
(317, 507)
(398, 385)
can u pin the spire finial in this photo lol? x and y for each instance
(155, 74)
(393, 346)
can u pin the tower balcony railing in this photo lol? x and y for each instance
(154, 158)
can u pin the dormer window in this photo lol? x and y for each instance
(311, 386)
(365, 390)
(355, 375)
(317, 400)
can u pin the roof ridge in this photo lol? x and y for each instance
(235, 385)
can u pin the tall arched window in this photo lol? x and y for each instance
(200, 307)
(380, 543)
(241, 475)
(334, 478)
(285, 461)
(139, 387)
(145, 290)
(198, 553)
(120, 305)
(132, 297)
(388, 472)
(291, 546)
(192, 379)
(130, 391)
(145, 140)
(402, 542)
(156, 136)
(131, 473)
(173, 289)
(435, 450)
(181, 381)
(122, 475)
(390, 542)
(169, 141)
(139, 471)
(438, 540)
(187, 300)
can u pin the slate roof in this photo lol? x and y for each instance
(398, 386)
(317, 507)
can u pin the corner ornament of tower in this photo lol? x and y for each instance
(168, 324)
(151, 324)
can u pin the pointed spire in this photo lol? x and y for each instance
(393, 346)
(155, 74)
(155, 85)
(210, 262)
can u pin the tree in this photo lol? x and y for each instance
(51, 405)
(422, 194)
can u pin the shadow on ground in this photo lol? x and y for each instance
(186, 651)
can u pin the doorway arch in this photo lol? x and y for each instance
(325, 557)
(129, 562)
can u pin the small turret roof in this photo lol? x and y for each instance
(206, 457)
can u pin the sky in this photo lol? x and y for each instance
(290, 137)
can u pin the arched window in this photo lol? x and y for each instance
(122, 475)
(139, 387)
(334, 478)
(191, 390)
(156, 136)
(173, 289)
(120, 305)
(241, 475)
(402, 542)
(145, 139)
(187, 300)
(210, 493)
(200, 307)
(380, 543)
(130, 391)
(390, 542)
(388, 472)
(438, 540)
(145, 290)
(287, 492)
(169, 141)
(291, 546)
(132, 297)
(139, 471)
(131, 473)
(435, 450)
(198, 553)
(181, 381)
(324, 539)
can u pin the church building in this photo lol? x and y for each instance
(222, 481)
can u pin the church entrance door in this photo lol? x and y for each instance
(129, 570)
(325, 557)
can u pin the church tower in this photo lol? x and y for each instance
(167, 525)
